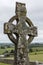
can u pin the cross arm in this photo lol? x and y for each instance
(9, 28)
(32, 31)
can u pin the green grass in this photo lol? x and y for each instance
(33, 56)
(4, 64)
(3, 50)
(37, 48)
(36, 55)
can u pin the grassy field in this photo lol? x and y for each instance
(3, 50)
(36, 55)
(33, 56)
(4, 64)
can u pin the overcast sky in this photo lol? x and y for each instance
(34, 12)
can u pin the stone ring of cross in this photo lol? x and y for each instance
(11, 29)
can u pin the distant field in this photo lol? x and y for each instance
(37, 57)
(37, 54)
(4, 64)
(3, 50)
(37, 48)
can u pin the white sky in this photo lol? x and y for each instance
(34, 12)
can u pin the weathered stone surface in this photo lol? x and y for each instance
(21, 30)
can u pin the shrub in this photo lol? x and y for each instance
(30, 50)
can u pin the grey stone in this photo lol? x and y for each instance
(21, 30)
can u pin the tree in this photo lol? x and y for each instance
(2, 47)
(12, 51)
(30, 50)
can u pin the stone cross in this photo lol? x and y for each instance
(23, 29)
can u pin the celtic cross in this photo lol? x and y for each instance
(24, 27)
